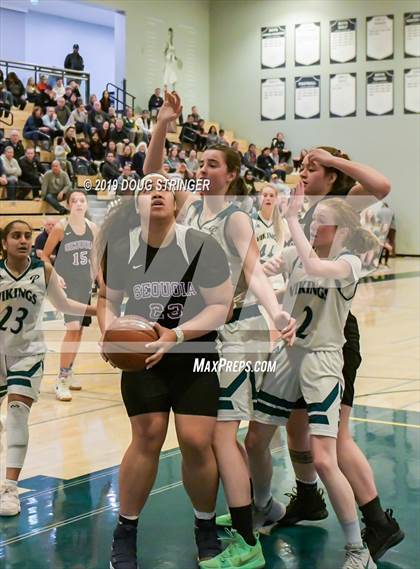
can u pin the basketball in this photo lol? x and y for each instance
(124, 342)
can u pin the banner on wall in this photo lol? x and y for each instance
(307, 97)
(380, 93)
(343, 40)
(379, 37)
(273, 99)
(273, 47)
(411, 91)
(308, 44)
(342, 95)
(412, 34)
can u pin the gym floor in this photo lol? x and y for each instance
(69, 486)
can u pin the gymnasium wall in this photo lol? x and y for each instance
(147, 23)
(390, 144)
(45, 39)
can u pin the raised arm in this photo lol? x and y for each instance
(168, 113)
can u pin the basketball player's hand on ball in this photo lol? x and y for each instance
(274, 266)
(171, 108)
(167, 339)
(296, 200)
(286, 325)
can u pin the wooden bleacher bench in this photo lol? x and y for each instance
(81, 180)
(33, 212)
(292, 179)
(36, 221)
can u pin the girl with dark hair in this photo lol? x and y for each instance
(245, 337)
(75, 236)
(142, 248)
(23, 288)
(105, 101)
(15, 86)
(34, 128)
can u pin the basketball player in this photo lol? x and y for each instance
(245, 337)
(179, 279)
(322, 283)
(23, 285)
(326, 172)
(75, 237)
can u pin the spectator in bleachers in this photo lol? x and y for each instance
(12, 171)
(6, 100)
(41, 239)
(279, 142)
(182, 157)
(67, 96)
(235, 146)
(63, 112)
(51, 122)
(74, 60)
(265, 163)
(127, 156)
(79, 118)
(61, 150)
(188, 134)
(92, 100)
(97, 117)
(105, 101)
(221, 138)
(120, 135)
(138, 159)
(16, 143)
(110, 169)
(129, 122)
(126, 175)
(34, 128)
(32, 171)
(3, 180)
(201, 135)
(112, 115)
(144, 126)
(105, 134)
(192, 163)
(111, 147)
(70, 139)
(212, 136)
(43, 84)
(172, 159)
(249, 159)
(195, 114)
(54, 187)
(97, 149)
(46, 99)
(155, 102)
(249, 182)
(59, 89)
(30, 90)
(15, 86)
(75, 89)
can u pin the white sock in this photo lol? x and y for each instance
(129, 517)
(352, 533)
(312, 482)
(11, 482)
(204, 515)
(261, 497)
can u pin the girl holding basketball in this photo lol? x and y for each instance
(75, 236)
(244, 337)
(23, 287)
(322, 283)
(178, 279)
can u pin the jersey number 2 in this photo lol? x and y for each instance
(300, 332)
(18, 319)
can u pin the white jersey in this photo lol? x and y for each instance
(268, 246)
(217, 228)
(319, 304)
(21, 300)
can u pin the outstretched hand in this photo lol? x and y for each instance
(296, 201)
(171, 108)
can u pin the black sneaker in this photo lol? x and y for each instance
(124, 548)
(383, 536)
(309, 507)
(208, 543)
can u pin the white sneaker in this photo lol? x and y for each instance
(270, 515)
(358, 558)
(62, 391)
(9, 500)
(74, 382)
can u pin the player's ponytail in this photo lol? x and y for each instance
(5, 232)
(359, 239)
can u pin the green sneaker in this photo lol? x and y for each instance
(237, 555)
(224, 521)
